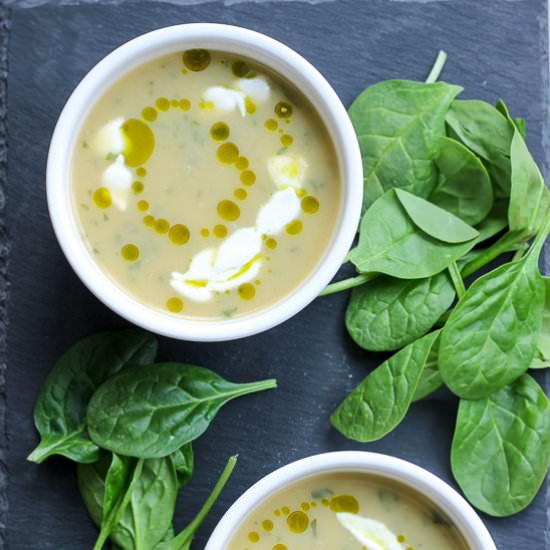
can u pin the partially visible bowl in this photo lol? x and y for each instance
(235, 40)
(434, 489)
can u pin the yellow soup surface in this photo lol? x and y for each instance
(308, 515)
(205, 185)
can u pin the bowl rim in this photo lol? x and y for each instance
(233, 39)
(435, 489)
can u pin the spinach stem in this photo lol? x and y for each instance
(457, 280)
(507, 241)
(187, 534)
(437, 68)
(102, 538)
(254, 387)
(44, 450)
(346, 284)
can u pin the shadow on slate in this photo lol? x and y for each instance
(496, 48)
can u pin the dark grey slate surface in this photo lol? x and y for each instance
(496, 48)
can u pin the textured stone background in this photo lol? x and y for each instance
(496, 48)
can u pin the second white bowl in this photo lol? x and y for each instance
(437, 491)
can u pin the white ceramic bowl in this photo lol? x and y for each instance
(442, 495)
(235, 40)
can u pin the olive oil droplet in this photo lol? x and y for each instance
(174, 305)
(227, 153)
(294, 227)
(178, 234)
(102, 198)
(196, 59)
(246, 291)
(130, 252)
(297, 522)
(219, 131)
(228, 210)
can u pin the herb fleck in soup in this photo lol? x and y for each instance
(205, 185)
(346, 512)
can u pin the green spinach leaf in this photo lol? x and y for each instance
(491, 336)
(379, 403)
(431, 379)
(433, 220)
(464, 186)
(390, 243)
(529, 197)
(495, 222)
(117, 482)
(517, 123)
(60, 409)
(145, 517)
(121, 478)
(487, 133)
(91, 482)
(542, 355)
(184, 463)
(501, 447)
(151, 411)
(387, 314)
(148, 516)
(398, 124)
(520, 125)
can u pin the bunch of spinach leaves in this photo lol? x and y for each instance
(129, 425)
(450, 186)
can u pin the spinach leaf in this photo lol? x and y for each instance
(379, 403)
(120, 480)
(390, 243)
(184, 463)
(431, 377)
(398, 123)
(501, 447)
(464, 186)
(147, 513)
(183, 540)
(542, 355)
(60, 409)
(435, 221)
(117, 481)
(487, 133)
(491, 336)
(529, 197)
(91, 482)
(517, 123)
(148, 516)
(387, 314)
(520, 125)
(495, 222)
(541, 360)
(151, 411)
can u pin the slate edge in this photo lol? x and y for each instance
(544, 22)
(4, 254)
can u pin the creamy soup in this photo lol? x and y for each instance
(347, 512)
(205, 185)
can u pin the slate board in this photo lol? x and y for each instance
(496, 48)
